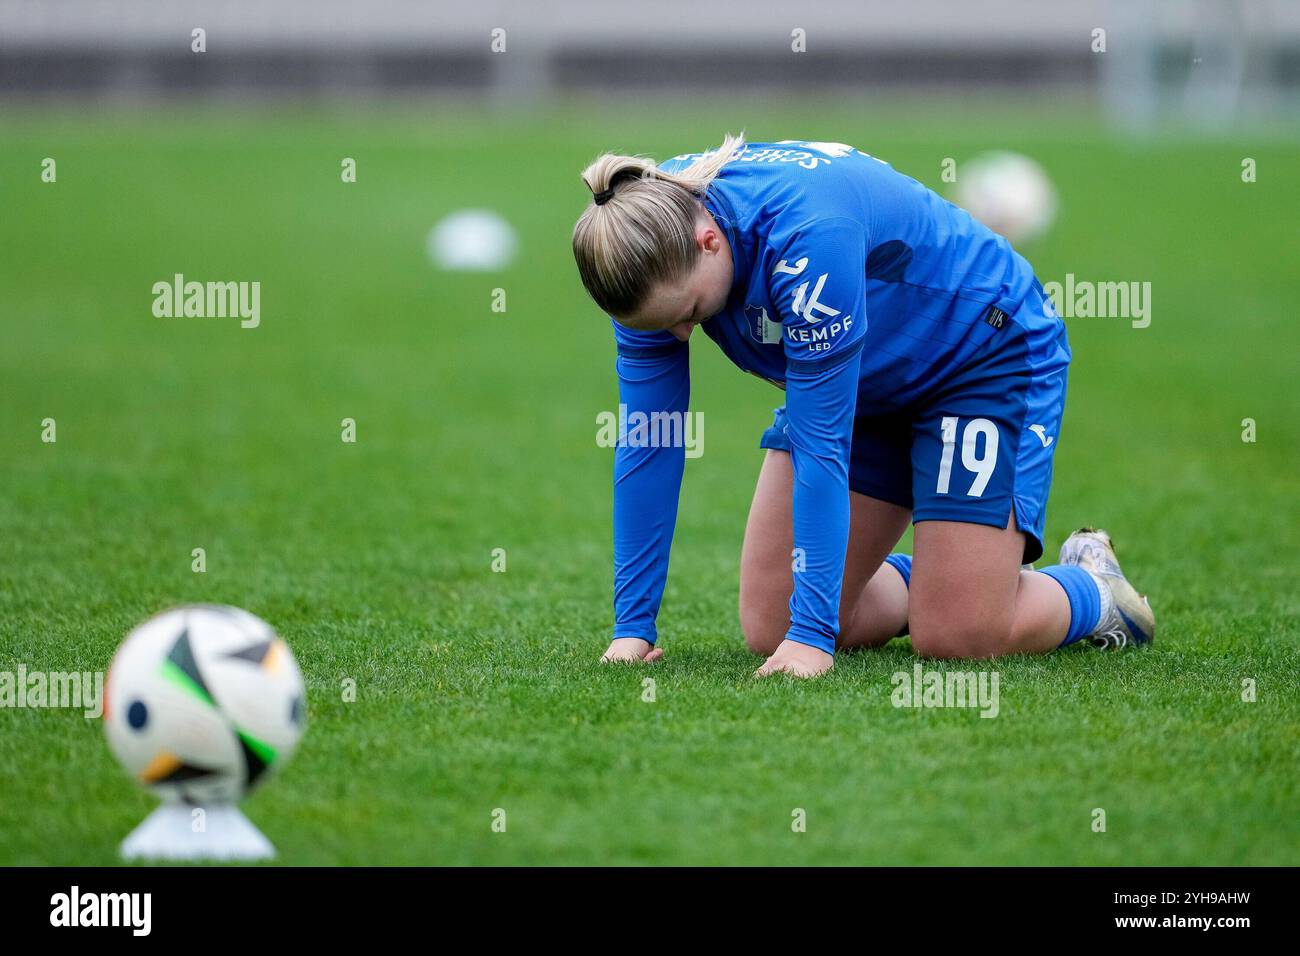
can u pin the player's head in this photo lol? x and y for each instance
(647, 249)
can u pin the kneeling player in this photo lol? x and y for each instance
(924, 373)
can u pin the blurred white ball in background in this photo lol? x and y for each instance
(1008, 192)
(476, 240)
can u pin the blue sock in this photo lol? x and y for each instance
(902, 563)
(1084, 597)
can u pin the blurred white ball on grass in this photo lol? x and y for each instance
(1008, 192)
(472, 240)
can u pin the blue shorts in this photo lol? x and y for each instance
(978, 446)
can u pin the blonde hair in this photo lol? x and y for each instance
(640, 228)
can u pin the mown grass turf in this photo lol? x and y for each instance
(476, 431)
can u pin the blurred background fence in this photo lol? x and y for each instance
(1203, 62)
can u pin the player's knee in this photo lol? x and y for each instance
(952, 636)
(763, 630)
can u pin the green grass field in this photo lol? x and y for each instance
(476, 430)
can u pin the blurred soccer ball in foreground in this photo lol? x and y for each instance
(202, 703)
(476, 240)
(1008, 192)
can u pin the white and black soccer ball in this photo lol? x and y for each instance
(202, 703)
(1009, 193)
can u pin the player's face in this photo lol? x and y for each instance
(680, 306)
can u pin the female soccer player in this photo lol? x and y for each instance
(924, 373)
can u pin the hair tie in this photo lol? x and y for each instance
(604, 196)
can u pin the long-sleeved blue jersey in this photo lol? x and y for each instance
(857, 290)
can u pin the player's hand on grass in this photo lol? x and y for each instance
(629, 650)
(798, 660)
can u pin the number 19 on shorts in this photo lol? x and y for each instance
(981, 466)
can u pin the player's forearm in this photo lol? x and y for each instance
(820, 408)
(646, 486)
(821, 537)
(647, 482)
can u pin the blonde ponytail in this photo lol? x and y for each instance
(640, 228)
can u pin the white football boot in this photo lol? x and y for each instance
(1126, 616)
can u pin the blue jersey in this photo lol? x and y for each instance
(858, 291)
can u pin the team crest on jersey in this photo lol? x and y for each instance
(761, 328)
